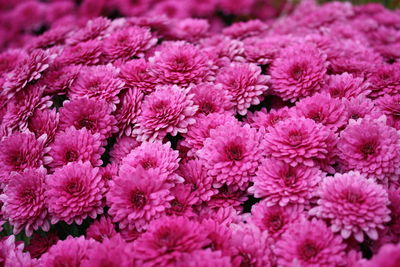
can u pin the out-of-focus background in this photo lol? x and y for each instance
(388, 3)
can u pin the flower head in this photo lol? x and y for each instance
(211, 98)
(122, 148)
(135, 73)
(101, 229)
(128, 110)
(346, 85)
(390, 106)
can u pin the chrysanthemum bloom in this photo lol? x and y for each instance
(171, 9)
(122, 148)
(94, 115)
(44, 122)
(211, 99)
(98, 82)
(138, 196)
(181, 63)
(203, 258)
(263, 50)
(28, 70)
(52, 37)
(101, 229)
(323, 109)
(74, 192)
(128, 110)
(196, 175)
(309, 244)
(129, 42)
(168, 237)
(249, 246)
(388, 256)
(264, 119)
(222, 49)
(354, 205)
(24, 203)
(93, 30)
(200, 131)
(346, 85)
(112, 252)
(299, 71)
(135, 74)
(299, 141)
(275, 220)
(74, 145)
(218, 233)
(87, 53)
(38, 245)
(160, 158)
(231, 154)
(20, 151)
(390, 106)
(361, 107)
(190, 29)
(10, 58)
(183, 201)
(71, 252)
(278, 183)
(385, 80)
(169, 109)
(229, 197)
(241, 30)
(58, 78)
(370, 147)
(11, 253)
(244, 83)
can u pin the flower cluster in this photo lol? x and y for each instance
(184, 133)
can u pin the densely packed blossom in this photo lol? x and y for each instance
(196, 133)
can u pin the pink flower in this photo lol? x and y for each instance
(11, 253)
(388, 256)
(169, 109)
(93, 30)
(101, 230)
(135, 74)
(262, 50)
(244, 84)
(241, 30)
(242, 7)
(168, 237)
(346, 85)
(299, 71)
(228, 197)
(183, 201)
(74, 145)
(38, 245)
(44, 122)
(211, 98)
(181, 63)
(278, 183)
(390, 106)
(353, 204)
(160, 158)
(99, 83)
(74, 192)
(385, 80)
(218, 232)
(323, 109)
(129, 42)
(24, 202)
(263, 119)
(136, 197)
(58, 78)
(190, 29)
(309, 244)
(231, 154)
(370, 147)
(71, 252)
(299, 141)
(21, 151)
(128, 110)
(122, 148)
(85, 53)
(94, 115)
(203, 258)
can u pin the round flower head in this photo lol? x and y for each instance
(44, 122)
(370, 147)
(203, 258)
(169, 109)
(94, 29)
(20, 151)
(160, 158)
(128, 110)
(168, 237)
(361, 107)
(385, 80)
(74, 192)
(390, 106)
(183, 201)
(58, 78)
(241, 30)
(71, 252)
(86, 53)
(99, 83)
(299, 141)
(323, 109)
(263, 50)
(278, 183)
(299, 71)
(38, 245)
(129, 42)
(228, 197)
(211, 98)
(275, 220)
(190, 29)
(136, 197)
(244, 84)
(101, 229)
(11, 254)
(24, 203)
(200, 131)
(51, 38)
(94, 115)
(309, 244)
(135, 74)
(346, 85)
(223, 49)
(74, 145)
(353, 204)
(388, 256)
(231, 154)
(263, 119)
(181, 63)
(122, 148)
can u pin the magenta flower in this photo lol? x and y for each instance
(12, 253)
(346, 85)
(353, 204)
(39, 245)
(93, 30)
(74, 192)
(58, 78)
(204, 258)
(191, 29)
(136, 74)
(123, 146)
(44, 122)
(361, 107)
(211, 98)
(241, 30)
(390, 106)
(264, 119)
(387, 256)
(169, 109)
(101, 229)
(136, 197)
(128, 110)
(86, 53)
(385, 80)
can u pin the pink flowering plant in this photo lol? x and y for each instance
(199, 133)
